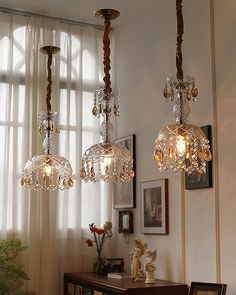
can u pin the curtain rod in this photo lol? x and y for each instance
(62, 20)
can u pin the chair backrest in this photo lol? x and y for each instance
(203, 288)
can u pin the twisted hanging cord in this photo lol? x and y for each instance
(106, 55)
(49, 79)
(180, 32)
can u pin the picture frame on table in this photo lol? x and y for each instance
(203, 288)
(154, 206)
(124, 193)
(197, 180)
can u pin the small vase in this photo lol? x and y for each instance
(99, 264)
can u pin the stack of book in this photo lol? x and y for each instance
(119, 275)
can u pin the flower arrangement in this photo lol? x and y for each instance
(99, 237)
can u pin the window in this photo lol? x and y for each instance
(22, 74)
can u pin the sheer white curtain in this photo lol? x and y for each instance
(48, 223)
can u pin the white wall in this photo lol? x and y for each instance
(225, 22)
(201, 243)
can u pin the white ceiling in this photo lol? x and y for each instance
(80, 10)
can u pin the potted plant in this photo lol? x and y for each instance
(12, 273)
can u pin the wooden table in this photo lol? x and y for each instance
(92, 284)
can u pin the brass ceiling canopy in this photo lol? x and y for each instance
(107, 14)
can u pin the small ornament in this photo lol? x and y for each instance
(166, 92)
(95, 111)
(137, 252)
(82, 173)
(194, 91)
(150, 267)
(70, 182)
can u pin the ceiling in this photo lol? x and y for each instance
(79, 10)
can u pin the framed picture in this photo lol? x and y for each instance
(126, 222)
(154, 206)
(199, 288)
(198, 180)
(124, 193)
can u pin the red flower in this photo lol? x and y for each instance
(89, 243)
(97, 230)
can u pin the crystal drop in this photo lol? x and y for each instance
(107, 170)
(202, 155)
(40, 128)
(131, 173)
(70, 182)
(166, 92)
(28, 181)
(82, 173)
(188, 155)
(194, 91)
(170, 154)
(208, 156)
(158, 156)
(116, 111)
(188, 96)
(95, 111)
(92, 173)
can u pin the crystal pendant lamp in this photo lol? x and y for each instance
(48, 171)
(181, 146)
(107, 161)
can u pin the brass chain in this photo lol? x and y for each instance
(180, 32)
(106, 55)
(49, 79)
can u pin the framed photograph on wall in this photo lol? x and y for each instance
(154, 206)
(124, 193)
(197, 180)
(199, 288)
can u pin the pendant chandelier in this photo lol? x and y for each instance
(107, 161)
(48, 171)
(181, 146)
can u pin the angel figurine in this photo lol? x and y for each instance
(137, 252)
(150, 267)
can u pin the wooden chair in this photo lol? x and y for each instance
(201, 288)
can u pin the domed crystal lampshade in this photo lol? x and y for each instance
(107, 161)
(47, 172)
(182, 147)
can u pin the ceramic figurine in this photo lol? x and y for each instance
(150, 267)
(137, 252)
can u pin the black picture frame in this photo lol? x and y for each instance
(203, 288)
(197, 180)
(126, 224)
(154, 207)
(124, 196)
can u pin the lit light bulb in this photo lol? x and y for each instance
(48, 170)
(107, 160)
(181, 146)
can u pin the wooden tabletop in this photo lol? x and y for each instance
(125, 286)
